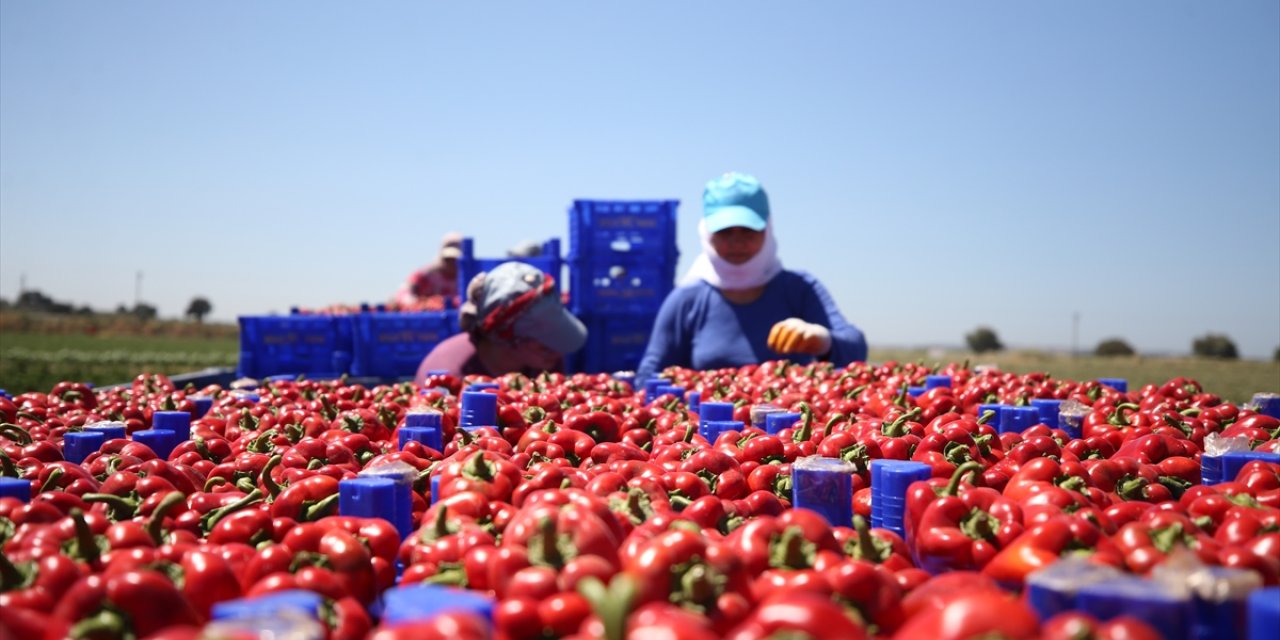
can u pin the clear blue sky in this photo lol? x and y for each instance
(937, 165)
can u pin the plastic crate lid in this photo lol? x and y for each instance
(1234, 461)
(421, 602)
(935, 381)
(19, 488)
(78, 445)
(1053, 589)
(111, 430)
(1017, 419)
(286, 624)
(430, 437)
(1268, 404)
(1048, 408)
(997, 414)
(305, 602)
(775, 422)
(423, 418)
(1264, 612)
(479, 409)
(1119, 384)
(716, 411)
(824, 485)
(712, 429)
(176, 421)
(386, 494)
(161, 441)
(1167, 611)
(891, 478)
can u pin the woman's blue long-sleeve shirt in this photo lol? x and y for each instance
(698, 327)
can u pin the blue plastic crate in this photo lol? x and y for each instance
(615, 342)
(610, 229)
(392, 345)
(632, 286)
(469, 265)
(316, 346)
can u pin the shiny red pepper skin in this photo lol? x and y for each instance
(309, 499)
(797, 613)
(965, 531)
(149, 599)
(36, 583)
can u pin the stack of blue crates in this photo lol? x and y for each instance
(469, 265)
(374, 344)
(622, 263)
(392, 345)
(310, 345)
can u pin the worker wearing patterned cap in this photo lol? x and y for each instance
(512, 321)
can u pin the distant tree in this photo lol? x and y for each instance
(199, 308)
(86, 310)
(121, 309)
(1114, 347)
(34, 300)
(4, 304)
(1276, 357)
(983, 339)
(144, 311)
(1215, 345)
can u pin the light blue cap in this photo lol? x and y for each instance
(735, 200)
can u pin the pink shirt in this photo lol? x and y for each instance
(426, 282)
(457, 356)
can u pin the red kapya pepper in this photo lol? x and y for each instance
(798, 614)
(1047, 542)
(789, 541)
(143, 602)
(965, 529)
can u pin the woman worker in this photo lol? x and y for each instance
(737, 305)
(512, 321)
(440, 278)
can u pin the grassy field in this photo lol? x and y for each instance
(1235, 380)
(37, 351)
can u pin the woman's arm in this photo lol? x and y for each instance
(847, 342)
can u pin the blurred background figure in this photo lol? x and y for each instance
(526, 249)
(512, 321)
(440, 278)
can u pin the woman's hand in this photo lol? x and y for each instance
(794, 335)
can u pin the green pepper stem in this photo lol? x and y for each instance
(866, 546)
(88, 547)
(51, 482)
(15, 433)
(155, 525)
(319, 508)
(105, 624)
(10, 576)
(7, 468)
(273, 488)
(120, 508)
(212, 518)
(953, 487)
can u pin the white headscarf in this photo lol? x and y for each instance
(719, 273)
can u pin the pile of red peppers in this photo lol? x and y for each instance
(588, 511)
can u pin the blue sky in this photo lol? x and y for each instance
(937, 165)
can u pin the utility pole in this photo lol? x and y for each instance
(22, 284)
(1075, 335)
(137, 290)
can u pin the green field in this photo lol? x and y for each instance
(36, 361)
(1234, 380)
